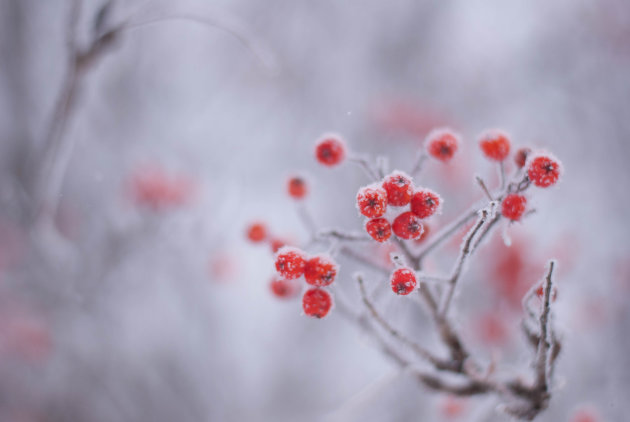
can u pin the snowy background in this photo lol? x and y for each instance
(127, 311)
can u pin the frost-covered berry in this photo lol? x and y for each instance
(425, 203)
(495, 145)
(297, 187)
(513, 206)
(320, 270)
(403, 281)
(379, 229)
(520, 158)
(544, 170)
(316, 303)
(330, 150)
(256, 232)
(399, 188)
(407, 226)
(372, 201)
(442, 144)
(290, 262)
(283, 288)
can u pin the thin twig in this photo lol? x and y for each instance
(366, 166)
(417, 165)
(461, 260)
(542, 374)
(368, 261)
(419, 350)
(483, 186)
(441, 236)
(342, 235)
(233, 28)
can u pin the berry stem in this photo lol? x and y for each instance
(366, 166)
(483, 186)
(418, 163)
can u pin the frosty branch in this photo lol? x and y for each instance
(382, 204)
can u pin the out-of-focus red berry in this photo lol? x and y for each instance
(297, 187)
(585, 415)
(290, 262)
(316, 303)
(320, 271)
(442, 144)
(283, 288)
(407, 226)
(372, 201)
(495, 145)
(403, 281)
(513, 206)
(425, 203)
(379, 229)
(330, 150)
(520, 158)
(277, 243)
(544, 170)
(256, 232)
(452, 407)
(491, 329)
(154, 188)
(399, 189)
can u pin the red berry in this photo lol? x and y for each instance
(495, 145)
(442, 144)
(407, 226)
(372, 201)
(425, 203)
(544, 170)
(257, 232)
(379, 229)
(330, 150)
(520, 158)
(297, 187)
(276, 244)
(399, 189)
(320, 271)
(290, 262)
(403, 281)
(283, 288)
(513, 206)
(316, 303)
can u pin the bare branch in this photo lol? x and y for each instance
(445, 233)
(542, 355)
(341, 235)
(419, 350)
(461, 260)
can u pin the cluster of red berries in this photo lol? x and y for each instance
(543, 169)
(257, 232)
(318, 271)
(396, 190)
